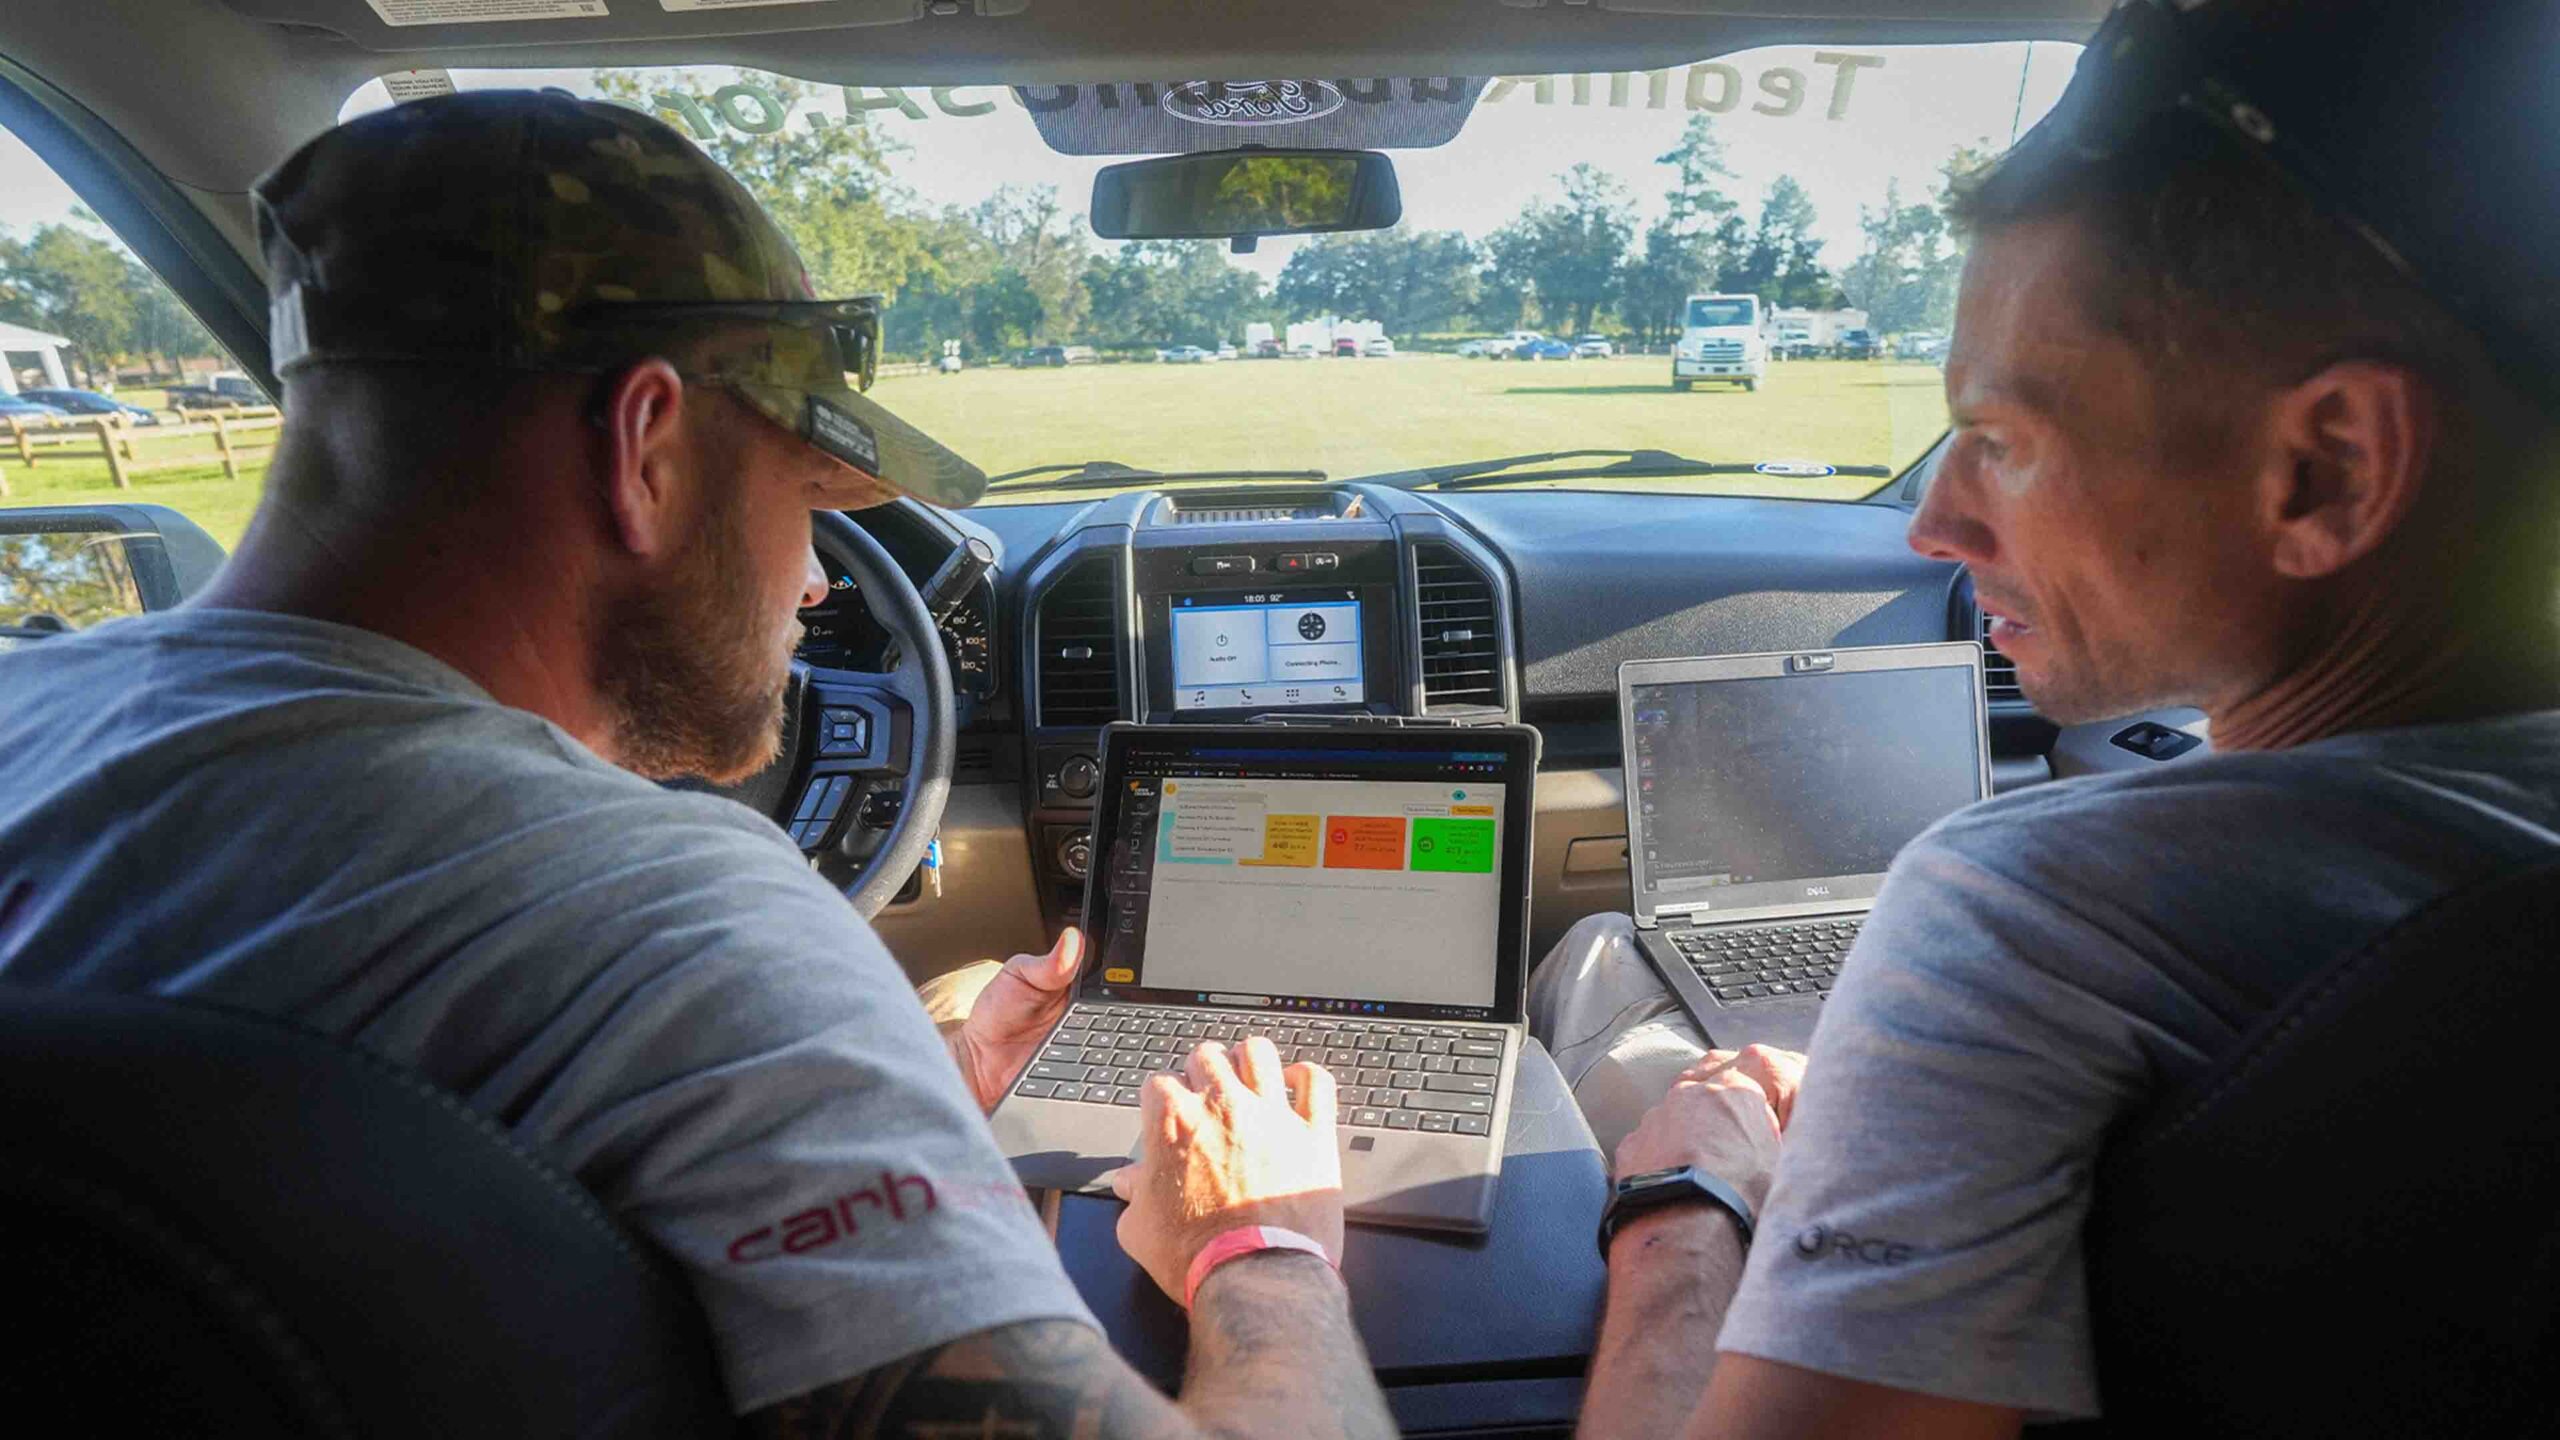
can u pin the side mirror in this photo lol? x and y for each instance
(68, 567)
(1242, 195)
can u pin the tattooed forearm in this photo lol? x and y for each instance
(1272, 1354)
(1031, 1381)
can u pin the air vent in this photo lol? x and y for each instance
(1999, 672)
(1079, 629)
(1461, 641)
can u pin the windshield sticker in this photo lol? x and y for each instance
(680, 5)
(1150, 117)
(407, 85)
(1710, 86)
(484, 12)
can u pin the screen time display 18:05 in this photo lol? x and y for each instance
(1267, 649)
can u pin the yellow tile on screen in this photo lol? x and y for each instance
(1288, 840)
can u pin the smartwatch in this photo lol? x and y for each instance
(1637, 1194)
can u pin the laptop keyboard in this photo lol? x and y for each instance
(1741, 964)
(1388, 1074)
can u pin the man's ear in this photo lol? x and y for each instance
(641, 413)
(2349, 452)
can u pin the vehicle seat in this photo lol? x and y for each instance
(2352, 1224)
(220, 1224)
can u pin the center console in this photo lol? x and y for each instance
(1347, 605)
(1256, 629)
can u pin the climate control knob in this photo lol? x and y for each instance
(1078, 778)
(1075, 854)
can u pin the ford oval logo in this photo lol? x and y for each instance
(1796, 469)
(1251, 102)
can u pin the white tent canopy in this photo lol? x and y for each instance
(17, 341)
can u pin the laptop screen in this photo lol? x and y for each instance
(1778, 789)
(1356, 875)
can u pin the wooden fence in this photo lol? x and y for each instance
(235, 435)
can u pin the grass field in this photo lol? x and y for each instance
(1356, 417)
(1345, 417)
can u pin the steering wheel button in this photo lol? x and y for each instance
(837, 787)
(810, 799)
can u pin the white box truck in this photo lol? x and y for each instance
(1721, 339)
(1802, 334)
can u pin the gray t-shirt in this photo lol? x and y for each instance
(2042, 964)
(649, 987)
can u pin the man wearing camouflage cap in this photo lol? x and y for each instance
(558, 404)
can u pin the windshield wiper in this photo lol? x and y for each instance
(1470, 473)
(1112, 475)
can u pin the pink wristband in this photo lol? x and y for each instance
(1244, 1240)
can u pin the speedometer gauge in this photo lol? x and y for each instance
(972, 652)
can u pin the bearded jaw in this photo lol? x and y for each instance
(694, 677)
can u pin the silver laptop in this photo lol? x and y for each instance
(1766, 794)
(1358, 895)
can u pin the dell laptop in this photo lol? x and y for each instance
(1358, 895)
(1766, 794)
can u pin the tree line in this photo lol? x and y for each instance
(68, 279)
(1021, 268)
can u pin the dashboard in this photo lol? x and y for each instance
(1366, 604)
(839, 632)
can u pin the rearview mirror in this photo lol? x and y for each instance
(1241, 195)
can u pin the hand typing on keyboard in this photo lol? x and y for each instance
(1235, 1139)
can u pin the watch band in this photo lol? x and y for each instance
(1638, 1194)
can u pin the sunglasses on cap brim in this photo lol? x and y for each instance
(2140, 67)
(846, 333)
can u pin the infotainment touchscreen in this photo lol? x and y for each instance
(1267, 648)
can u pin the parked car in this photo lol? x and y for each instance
(1346, 348)
(1471, 349)
(1052, 356)
(1920, 345)
(1594, 347)
(1543, 350)
(14, 407)
(1226, 351)
(90, 402)
(1509, 345)
(228, 390)
(1380, 348)
(1184, 355)
(1266, 350)
(1303, 350)
(1858, 345)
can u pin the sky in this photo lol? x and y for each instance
(1900, 119)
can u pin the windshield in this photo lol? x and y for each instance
(1537, 296)
(1712, 314)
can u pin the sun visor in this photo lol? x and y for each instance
(1162, 117)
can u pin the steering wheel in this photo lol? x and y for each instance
(864, 768)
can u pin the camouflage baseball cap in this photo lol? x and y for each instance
(535, 231)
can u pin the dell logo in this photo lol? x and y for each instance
(1816, 892)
